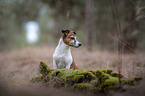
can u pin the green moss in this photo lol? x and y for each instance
(111, 81)
(101, 74)
(55, 73)
(116, 75)
(93, 72)
(109, 71)
(103, 71)
(43, 68)
(45, 80)
(88, 75)
(63, 74)
(36, 79)
(103, 80)
(50, 70)
(128, 81)
(83, 86)
(76, 75)
(109, 84)
(137, 79)
(79, 78)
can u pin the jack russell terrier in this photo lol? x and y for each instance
(62, 57)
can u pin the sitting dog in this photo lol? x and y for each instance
(62, 57)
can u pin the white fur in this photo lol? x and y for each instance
(62, 57)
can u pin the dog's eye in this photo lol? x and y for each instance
(72, 38)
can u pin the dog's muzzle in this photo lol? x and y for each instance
(76, 45)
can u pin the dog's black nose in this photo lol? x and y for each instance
(79, 44)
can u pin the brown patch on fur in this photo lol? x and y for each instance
(67, 40)
(74, 66)
(67, 37)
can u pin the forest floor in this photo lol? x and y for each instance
(19, 66)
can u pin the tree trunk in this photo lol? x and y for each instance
(89, 23)
(131, 27)
(58, 29)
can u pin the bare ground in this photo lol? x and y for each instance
(18, 67)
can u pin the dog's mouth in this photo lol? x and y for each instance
(76, 46)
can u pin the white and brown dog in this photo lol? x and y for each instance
(62, 57)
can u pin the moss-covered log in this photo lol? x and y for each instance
(102, 80)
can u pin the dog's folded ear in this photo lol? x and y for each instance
(65, 32)
(75, 33)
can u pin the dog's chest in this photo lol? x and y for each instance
(62, 58)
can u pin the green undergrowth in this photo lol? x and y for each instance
(82, 79)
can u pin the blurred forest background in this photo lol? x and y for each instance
(39, 23)
(30, 31)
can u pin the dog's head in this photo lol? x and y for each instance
(70, 39)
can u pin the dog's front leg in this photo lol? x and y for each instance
(68, 67)
(54, 65)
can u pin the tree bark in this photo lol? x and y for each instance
(89, 23)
